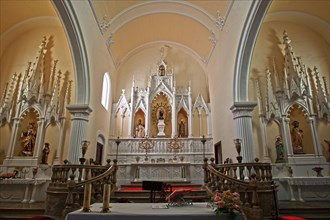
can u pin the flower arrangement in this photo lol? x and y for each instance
(226, 202)
(9, 175)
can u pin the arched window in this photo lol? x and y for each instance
(106, 91)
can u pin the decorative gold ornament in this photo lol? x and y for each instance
(156, 112)
(175, 145)
(146, 144)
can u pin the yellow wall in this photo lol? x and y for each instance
(19, 46)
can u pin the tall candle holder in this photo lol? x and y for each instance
(84, 148)
(203, 140)
(238, 147)
(175, 144)
(117, 143)
(146, 144)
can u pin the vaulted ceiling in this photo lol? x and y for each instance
(130, 25)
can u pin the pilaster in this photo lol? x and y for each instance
(242, 112)
(80, 114)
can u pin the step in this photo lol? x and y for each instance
(18, 210)
(311, 210)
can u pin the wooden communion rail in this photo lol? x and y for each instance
(73, 180)
(252, 180)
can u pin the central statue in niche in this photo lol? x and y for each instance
(161, 123)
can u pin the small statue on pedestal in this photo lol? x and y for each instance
(296, 138)
(161, 123)
(182, 129)
(139, 130)
(279, 150)
(45, 153)
(29, 139)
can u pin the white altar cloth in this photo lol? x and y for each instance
(144, 211)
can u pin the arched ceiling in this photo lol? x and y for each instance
(14, 12)
(128, 25)
(192, 24)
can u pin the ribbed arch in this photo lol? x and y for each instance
(67, 14)
(245, 49)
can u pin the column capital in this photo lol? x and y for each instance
(79, 110)
(243, 109)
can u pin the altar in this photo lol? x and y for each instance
(150, 211)
(170, 172)
(24, 190)
(157, 130)
(161, 163)
(306, 188)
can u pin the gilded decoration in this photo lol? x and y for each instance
(161, 109)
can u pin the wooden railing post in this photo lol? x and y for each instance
(87, 192)
(106, 196)
(254, 185)
(69, 199)
(206, 172)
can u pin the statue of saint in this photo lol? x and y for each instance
(29, 139)
(139, 130)
(181, 129)
(161, 114)
(279, 150)
(45, 153)
(296, 138)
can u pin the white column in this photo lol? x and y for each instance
(39, 139)
(174, 114)
(147, 123)
(12, 143)
(263, 132)
(80, 114)
(200, 123)
(122, 116)
(60, 144)
(285, 129)
(190, 112)
(316, 141)
(209, 125)
(113, 123)
(131, 116)
(243, 119)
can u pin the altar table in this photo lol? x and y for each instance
(313, 182)
(144, 211)
(31, 185)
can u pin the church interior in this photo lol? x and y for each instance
(102, 99)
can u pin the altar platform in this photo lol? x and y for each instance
(145, 211)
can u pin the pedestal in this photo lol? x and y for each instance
(161, 127)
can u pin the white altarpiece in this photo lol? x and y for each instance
(296, 101)
(38, 98)
(164, 111)
(35, 100)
